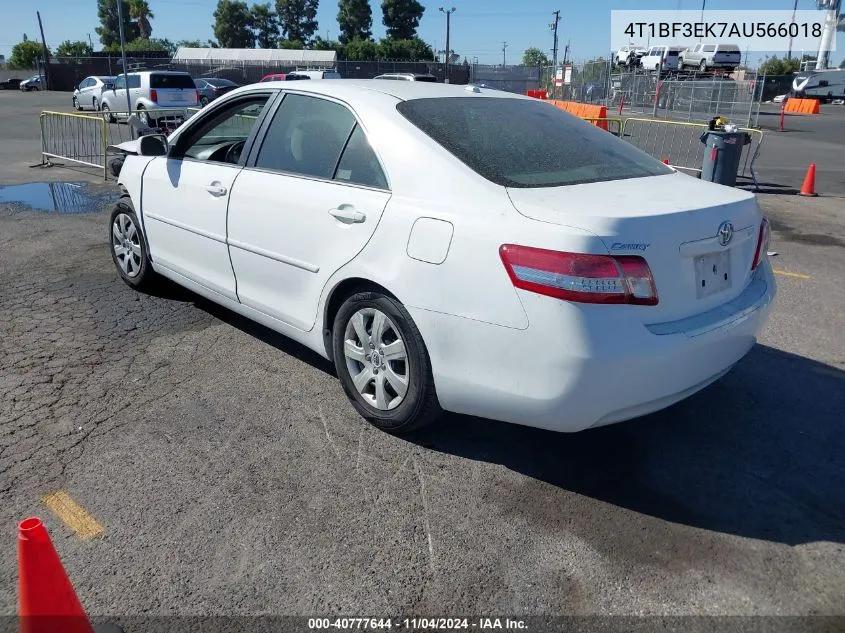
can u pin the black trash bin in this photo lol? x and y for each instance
(722, 154)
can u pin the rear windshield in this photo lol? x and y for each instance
(527, 143)
(428, 78)
(672, 53)
(171, 81)
(728, 48)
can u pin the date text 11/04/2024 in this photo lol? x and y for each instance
(722, 29)
(439, 624)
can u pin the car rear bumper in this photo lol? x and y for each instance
(577, 367)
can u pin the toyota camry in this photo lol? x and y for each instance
(451, 248)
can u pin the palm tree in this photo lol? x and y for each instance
(139, 10)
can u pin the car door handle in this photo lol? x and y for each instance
(347, 213)
(216, 189)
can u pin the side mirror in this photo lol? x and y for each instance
(108, 86)
(153, 145)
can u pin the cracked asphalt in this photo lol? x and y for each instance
(231, 476)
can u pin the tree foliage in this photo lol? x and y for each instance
(25, 54)
(776, 66)
(355, 18)
(265, 25)
(73, 49)
(296, 45)
(319, 44)
(139, 10)
(360, 50)
(109, 29)
(401, 17)
(298, 19)
(411, 49)
(535, 57)
(233, 24)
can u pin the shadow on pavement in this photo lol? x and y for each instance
(759, 454)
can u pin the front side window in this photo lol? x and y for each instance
(306, 136)
(527, 143)
(222, 136)
(120, 83)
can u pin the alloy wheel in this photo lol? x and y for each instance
(126, 243)
(376, 359)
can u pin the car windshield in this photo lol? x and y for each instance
(171, 81)
(527, 143)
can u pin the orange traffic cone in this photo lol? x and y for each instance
(47, 600)
(809, 186)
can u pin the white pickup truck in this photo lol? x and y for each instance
(705, 56)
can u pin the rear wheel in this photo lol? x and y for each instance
(203, 101)
(383, 364)
(145, 117)
(703, 66)
(109, 116)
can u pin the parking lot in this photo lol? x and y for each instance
(230, 476)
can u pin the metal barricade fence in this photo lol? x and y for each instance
(612, 125)
(77, 138)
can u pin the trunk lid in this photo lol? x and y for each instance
(673, 221)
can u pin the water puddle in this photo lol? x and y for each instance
(58, 197)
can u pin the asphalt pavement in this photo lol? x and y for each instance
(230, 476)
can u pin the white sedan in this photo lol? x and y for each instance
(452, 248)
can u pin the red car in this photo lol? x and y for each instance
(283, 77)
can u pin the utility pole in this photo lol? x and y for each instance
(703, 2)
(90, 43)
(45, 52)
(123, 55)
(448, 34)
(789, 50)
(504, 57)
(554, 49)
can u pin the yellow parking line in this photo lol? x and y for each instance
(72, 514)
(788, 274)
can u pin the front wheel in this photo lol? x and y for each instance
(76, 105)
(129, 248)
(383, 364)
(145, 117)
(107, 111)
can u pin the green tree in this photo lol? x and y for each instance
(777, 66)
(73, 49)
(265, 25)
(360, 50)
(25, 54)
(411, 49)
(319, 44)
(139, 11)
(296, 45)
(401, 17)
(355, 18)
(535, 57)
(109, 29)
(233, 24)
(190, 44)
(298, 19)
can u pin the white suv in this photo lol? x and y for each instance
(149, 91)
(704, 56)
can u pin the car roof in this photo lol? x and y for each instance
(402, 90)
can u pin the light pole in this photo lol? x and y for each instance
(448, 13)
(123, 55)
(504, 55)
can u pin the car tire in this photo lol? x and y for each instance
(109, 116)
(94, 104)
(355, 344)
(76, 105)
(703, 66)
(203, 101)
(145, 117)
(129, 247)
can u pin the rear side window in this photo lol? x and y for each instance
(306, 136)
(162, 82)
(133, 81)
(527, 143)
(359, 164)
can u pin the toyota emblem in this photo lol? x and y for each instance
(725, 233)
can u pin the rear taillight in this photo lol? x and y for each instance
(197, 94)
(762, 244)
(154, 95)
(579, 277)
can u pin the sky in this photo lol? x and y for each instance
(479, 27)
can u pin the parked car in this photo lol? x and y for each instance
(407, 77)
(662, 58)
(212, 87)
(36, 82)
(284, 77)
(609, 284)
(629, 55)
(11, 84)
(149, 91)
(780, 98)
(89, 92)
(706, 56)
(319, 74)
